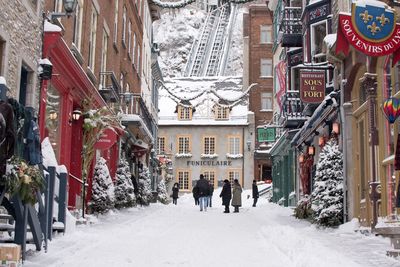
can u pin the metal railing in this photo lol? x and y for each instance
(292, 105)
(290, 21)
(109, 87)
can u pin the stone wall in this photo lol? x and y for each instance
(21, 30)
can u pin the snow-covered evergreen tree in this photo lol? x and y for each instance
(103, 188)
(162, 195)
(124, 191)
(327, 195)
(144, 185)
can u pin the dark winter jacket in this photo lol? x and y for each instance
(175, 192)
(237, 195)
(255, 191)
(7, 133)
(204, 187)
(211, 190)
(226, 194)
(195, 192)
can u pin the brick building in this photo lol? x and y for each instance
(258, 66)
(97, 55)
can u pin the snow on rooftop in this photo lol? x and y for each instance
(45, 61)
(3, 80)
(330, 40)
(202, 93)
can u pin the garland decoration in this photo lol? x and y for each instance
(183, 3)
(23, 180)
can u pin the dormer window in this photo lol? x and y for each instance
(221, 113)
(184, 113)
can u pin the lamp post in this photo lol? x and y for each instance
(69, 7)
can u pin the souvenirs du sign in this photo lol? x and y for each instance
(371, 28)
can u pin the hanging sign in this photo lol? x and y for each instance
(265, 134)
(371, 29)
(108, 139)
(312, 86)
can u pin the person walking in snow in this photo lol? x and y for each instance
(211, 192)
(226, 195)
(236, 195)
(175, 192)
(256, 195)
(204, 190)
(195, 192)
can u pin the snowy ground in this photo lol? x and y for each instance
(183, 236)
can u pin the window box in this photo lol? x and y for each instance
(183, 155)
(209, 156)
(234, 156)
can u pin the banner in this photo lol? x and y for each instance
(281, 75)
(370, 29)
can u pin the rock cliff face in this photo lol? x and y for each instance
(175, 33)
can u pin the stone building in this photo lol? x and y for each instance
(21, 27)
(258, 68)
(205, 128)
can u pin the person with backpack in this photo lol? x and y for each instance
(204, 190)
(195, 192)
(226, 195)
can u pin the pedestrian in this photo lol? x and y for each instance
(195, 192)
(204, 189)
(175, 192)
(211, 192)
(236, 195)
(256, 195)
(226, 195)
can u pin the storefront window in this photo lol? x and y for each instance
(53, 109)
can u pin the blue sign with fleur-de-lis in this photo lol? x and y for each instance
(374, 23)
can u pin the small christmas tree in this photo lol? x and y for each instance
(124, 191)
(162, 192)
(144, 195)
(103, 188)
(327, 195)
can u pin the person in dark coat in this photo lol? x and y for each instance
(211, 192)
(195, 192)
(236, 195)
(204, 190)
(256, 195)
(175, 192)
(226, 195)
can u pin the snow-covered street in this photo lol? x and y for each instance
(183, 236)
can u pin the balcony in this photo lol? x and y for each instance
(292, 109)
(109, 87)
(291, 28)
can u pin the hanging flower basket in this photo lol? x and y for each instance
(23, 180)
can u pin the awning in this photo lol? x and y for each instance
(134, 123)
(325, 109)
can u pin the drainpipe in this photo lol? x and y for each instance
(342, 118)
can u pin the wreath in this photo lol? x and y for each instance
(23, 180)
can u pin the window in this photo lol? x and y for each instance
(318, 33)
(2, 56)
(26, 87)
(266, 101)
(265, 34)
(104, 51)
(134, 48)
(209, 145)
(232, 175)
(184, 113)
(183, 145)
(116, 21)
(222, 113)
(234, 145)
(92, 39)
(210, 176)
(139, 7)
(138, 60)
(121, 81)
(161, 145)
(266, 67)
(129, 36)
(77, 38)
(183, 180)
(124, 25)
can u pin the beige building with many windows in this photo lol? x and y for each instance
(205, 128)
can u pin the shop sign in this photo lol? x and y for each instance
(371, 29)
(312, 86)
(209, 163)
(107, 140)
(266, 135)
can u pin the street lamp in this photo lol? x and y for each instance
(69, 7)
